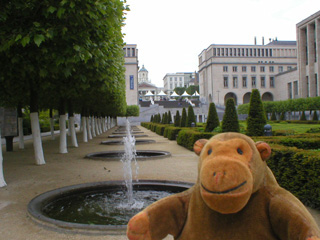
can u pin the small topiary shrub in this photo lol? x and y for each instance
(230, 121)
(303, 117)
(191, 118)
(183, 121)
(213, 119)
(177, 119)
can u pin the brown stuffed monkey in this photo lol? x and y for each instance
(236, 196)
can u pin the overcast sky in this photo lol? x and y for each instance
(170, 34)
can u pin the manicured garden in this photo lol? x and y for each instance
(295, 159)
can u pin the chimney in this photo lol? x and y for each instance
(255, 40)
(262, 40)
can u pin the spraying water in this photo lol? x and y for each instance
(129, 156)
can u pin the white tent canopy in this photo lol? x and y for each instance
(196, 94)
(161, 93)
(185, 94)
(149, 94)
(174, 94)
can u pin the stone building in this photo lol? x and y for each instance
(131, 65)
(179, 79)
(232, 71)
(308, 37)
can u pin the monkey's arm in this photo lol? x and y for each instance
(290, 219)
(166, 216)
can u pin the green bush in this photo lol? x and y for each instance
(171, 132)
(160, 129)
(213, 119)
(183, 122)
(230, 121)
(256, 115)
(191, 118)
(177, 119)
(298, 172)
(273, 116)
(303, 117)
(169, 118)
(187, 138)
(132, 111)
(282, 116)
(313, 130)
(315, 116)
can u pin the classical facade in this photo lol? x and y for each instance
(131, 65)
(308, 37)
(143, 75)
(232, 71)
(179, 79)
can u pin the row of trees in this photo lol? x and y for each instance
(64, 55)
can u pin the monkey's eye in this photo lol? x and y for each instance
(239, 151)
(209, 151)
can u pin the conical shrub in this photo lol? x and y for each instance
(303, 117)
(315, 116)
(177, 119)
(273, 116)
(256, 116)
(213, 119)
(191, 118)
(169, 117)
(183, 121)
(230, 121)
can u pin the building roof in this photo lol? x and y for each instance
(282, 43)
(146, 85)
(143, 69)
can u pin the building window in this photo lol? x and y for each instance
(131, 82)
(133, 52)
(171, 86)
(175, 79)
(244, 82)
(272, 82)
(289, 68)
(263, 82)
(271, 69)
(225, 82)
(253, 82)
(280, 69)
(244, 69)
(295, 88)
(235, 82)
(262, 69)
(235, 69)
(225, 68)
(290, 90)
(253, 68)
(316, 81)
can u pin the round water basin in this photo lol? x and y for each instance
(124, 135)
(119, 142)
(140, 155)
(124, 132)
(97, 208)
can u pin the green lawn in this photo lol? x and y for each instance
(298, 128)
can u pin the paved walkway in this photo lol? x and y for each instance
(26, 180)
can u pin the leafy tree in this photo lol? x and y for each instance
(192, 89)
(183, 121)
(179, 90)
(177, 119)
(230, 121)
(213, 119)
(191, 118)
(133, 110)
(256, 115)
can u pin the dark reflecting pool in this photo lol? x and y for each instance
(117, 155)
(120, 142)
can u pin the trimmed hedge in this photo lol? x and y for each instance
(297, 171)
(172, 132)
(187, 138)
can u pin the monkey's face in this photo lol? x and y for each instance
(226, 180)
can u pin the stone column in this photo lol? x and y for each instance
(301, 36)
(311, 59)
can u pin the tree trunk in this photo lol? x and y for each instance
(97, 126)
(72, 129)
(89, 128)
(62, 126)
(63, 134)
(20, 128)
(84, 129)
(93, 126)
(2, 181)
(36, 135)
(51, 125)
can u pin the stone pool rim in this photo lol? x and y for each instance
(37, 203)
(162, 154)
(120, 142)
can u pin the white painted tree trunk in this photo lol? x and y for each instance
(36, 135)
(100, 125)
(63, 134)
(84, 129)
(89, 128)
(52, 128)
(20, 129)
(81, 124)
(69, 130)
(97, 125)
(2, 181)
(72, 130)
(104, 124)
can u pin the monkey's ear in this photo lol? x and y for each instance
(198, 145)
(264, 150)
